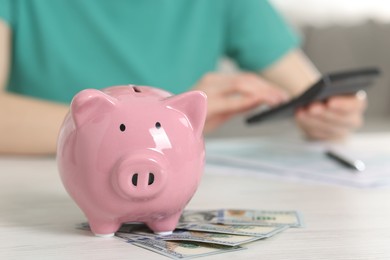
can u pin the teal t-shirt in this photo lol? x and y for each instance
(60, 47)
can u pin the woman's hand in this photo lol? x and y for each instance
(231, 94)
(333, 119)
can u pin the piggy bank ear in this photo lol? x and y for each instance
(89, 103)
(194, 105)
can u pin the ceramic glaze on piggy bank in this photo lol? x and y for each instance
(132, 153)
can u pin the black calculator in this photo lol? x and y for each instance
(332, 84)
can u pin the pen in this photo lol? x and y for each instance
(357, 165)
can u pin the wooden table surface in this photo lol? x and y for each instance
(38, 218)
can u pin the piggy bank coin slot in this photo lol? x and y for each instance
(134, 179)
(151, 178)
(137, 90)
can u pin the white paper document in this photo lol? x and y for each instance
(305, 160)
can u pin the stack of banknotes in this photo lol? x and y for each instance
(203, 233)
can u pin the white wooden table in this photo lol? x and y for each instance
(38, 218)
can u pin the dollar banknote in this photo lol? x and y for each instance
(206, 232)
(243, 217)
(196, 236)
(176, 249)
(245, 230)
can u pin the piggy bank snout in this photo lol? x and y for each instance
(140, 177)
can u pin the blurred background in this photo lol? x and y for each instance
(336, 35)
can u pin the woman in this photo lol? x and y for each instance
(50, 50)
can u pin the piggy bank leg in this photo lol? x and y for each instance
(164, 226)
(103, 228)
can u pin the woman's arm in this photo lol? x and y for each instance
(294, 72)
(27, 125)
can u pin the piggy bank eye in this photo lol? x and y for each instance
(122, 127)
(158, 125)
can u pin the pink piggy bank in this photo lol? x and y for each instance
(132, 154)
